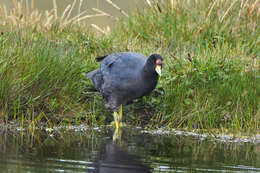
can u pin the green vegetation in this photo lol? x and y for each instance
(210, 79)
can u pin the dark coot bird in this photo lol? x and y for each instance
(125, 76)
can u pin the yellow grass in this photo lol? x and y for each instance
(26, 15)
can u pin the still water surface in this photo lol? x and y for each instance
(83, 149)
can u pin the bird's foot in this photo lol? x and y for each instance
(120, 124)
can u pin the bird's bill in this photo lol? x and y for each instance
(158, 69)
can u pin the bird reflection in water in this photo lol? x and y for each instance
(113, 159)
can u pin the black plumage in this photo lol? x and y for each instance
(125, 76)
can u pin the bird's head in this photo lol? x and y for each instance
(157, 62)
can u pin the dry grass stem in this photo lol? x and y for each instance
(65, 11)
(72, 7)
(80, 4)
(27, 7)
(32, 4)
(27, 15)
(101, 12)
(98, 28)
(211, 8)
(149, 3)
(233, 3)
(55, 9)
(118, 8)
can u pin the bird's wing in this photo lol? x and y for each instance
(110, 59)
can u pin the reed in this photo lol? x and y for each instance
(25, 15)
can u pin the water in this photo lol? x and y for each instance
(83, 149)
(101, 21)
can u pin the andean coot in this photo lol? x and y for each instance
(125, 76)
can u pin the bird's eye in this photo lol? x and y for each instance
(158, 62)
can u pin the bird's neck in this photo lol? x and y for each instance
(149, 74)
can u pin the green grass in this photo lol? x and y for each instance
(210, 76)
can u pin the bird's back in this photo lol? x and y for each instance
(124, 65)
(122, 76)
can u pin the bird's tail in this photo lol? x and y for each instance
(91, 74)
(99, 59)
(96, 78)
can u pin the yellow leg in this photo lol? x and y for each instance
(120, 112)
(116, 119)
